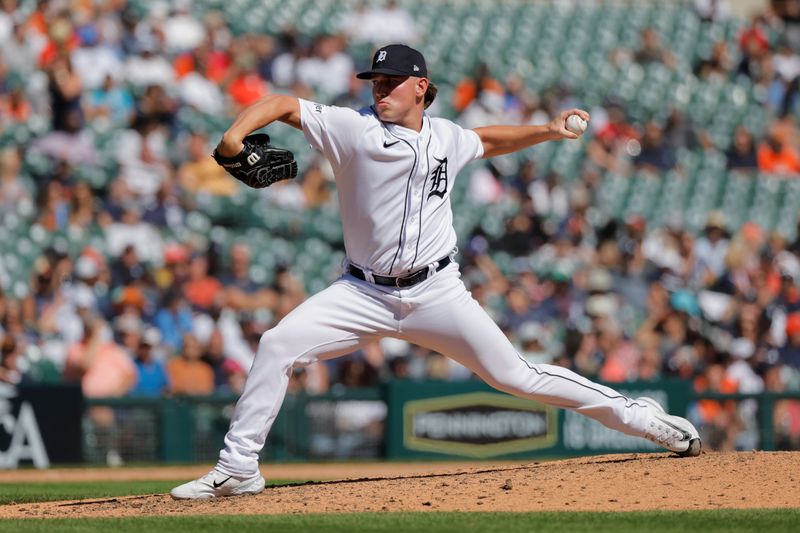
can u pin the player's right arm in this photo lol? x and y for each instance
(275, 107)
(501, 140)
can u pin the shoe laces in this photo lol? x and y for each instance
(663, 434)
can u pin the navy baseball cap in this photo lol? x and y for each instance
(396, 60)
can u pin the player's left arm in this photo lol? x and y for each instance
(500, 140)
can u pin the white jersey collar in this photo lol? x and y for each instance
(406, 133)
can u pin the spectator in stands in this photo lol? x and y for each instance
(12, 190)
(656, 154)
(718, 419)
(621, 357)
(742, 153)
(790, 353)
(718, 65)
(182, 31)
(164, 209)
(173, 319)
(70, 144)
(535, 344)
(380, 24)
(201, 93)
(471, 88)
(315, 186)
(147, 67)
(188, 373)
(19, 51)
(127, 268)
(88, 290)
(83, 207)
(65, 95)
(175, 270)
(329, 69)
(53, 207)
(229, 375)
(246, 84)
(131, 231)
(94, 61)
(14, 106)
(200, 174)
(291, 292)
(776, 156)
(101, 366)
(710, 250)
(611, 139)
(156, 107)
(152, 375)
(740, 370)
(518, 308)
(754, 45)
(142, 157)
(651, 50)
(201, 289)
(550, 197)
(241, 292)
(355, 372)
(291, 49)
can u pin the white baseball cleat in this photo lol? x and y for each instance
(216, 484)
(672, 432)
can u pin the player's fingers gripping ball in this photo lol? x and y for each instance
(576, 124)
(259, 164)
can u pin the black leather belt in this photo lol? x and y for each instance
(400, 281)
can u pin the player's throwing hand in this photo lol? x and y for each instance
(559, 124)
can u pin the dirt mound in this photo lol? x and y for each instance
(626, 482)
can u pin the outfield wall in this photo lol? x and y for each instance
(398, 420)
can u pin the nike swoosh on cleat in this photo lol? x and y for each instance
(686, 434)
(389, 145)
(218, 485)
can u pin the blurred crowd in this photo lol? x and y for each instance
(616, 300)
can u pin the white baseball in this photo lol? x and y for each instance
(576, 124)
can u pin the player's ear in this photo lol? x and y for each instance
(422, 87)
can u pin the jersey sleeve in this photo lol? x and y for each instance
(332, 130)
(469, 146)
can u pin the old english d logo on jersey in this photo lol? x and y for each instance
(439, 179)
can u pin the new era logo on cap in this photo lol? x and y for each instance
(397, 60)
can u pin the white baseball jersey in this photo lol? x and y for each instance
(393, 183)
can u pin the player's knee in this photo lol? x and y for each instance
(272, 343)
(509, 382)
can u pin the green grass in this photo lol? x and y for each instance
(774, 521)
(43, 492)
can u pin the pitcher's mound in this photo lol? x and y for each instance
(629, 482)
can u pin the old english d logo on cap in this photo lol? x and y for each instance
(396, 60)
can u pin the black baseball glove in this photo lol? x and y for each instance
(259, 164)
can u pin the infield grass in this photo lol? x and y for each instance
(774, 521)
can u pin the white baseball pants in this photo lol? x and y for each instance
(438, 313)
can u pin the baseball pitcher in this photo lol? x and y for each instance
(394, 167)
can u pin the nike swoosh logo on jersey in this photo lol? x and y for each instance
(218, 485)
(389, 145)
